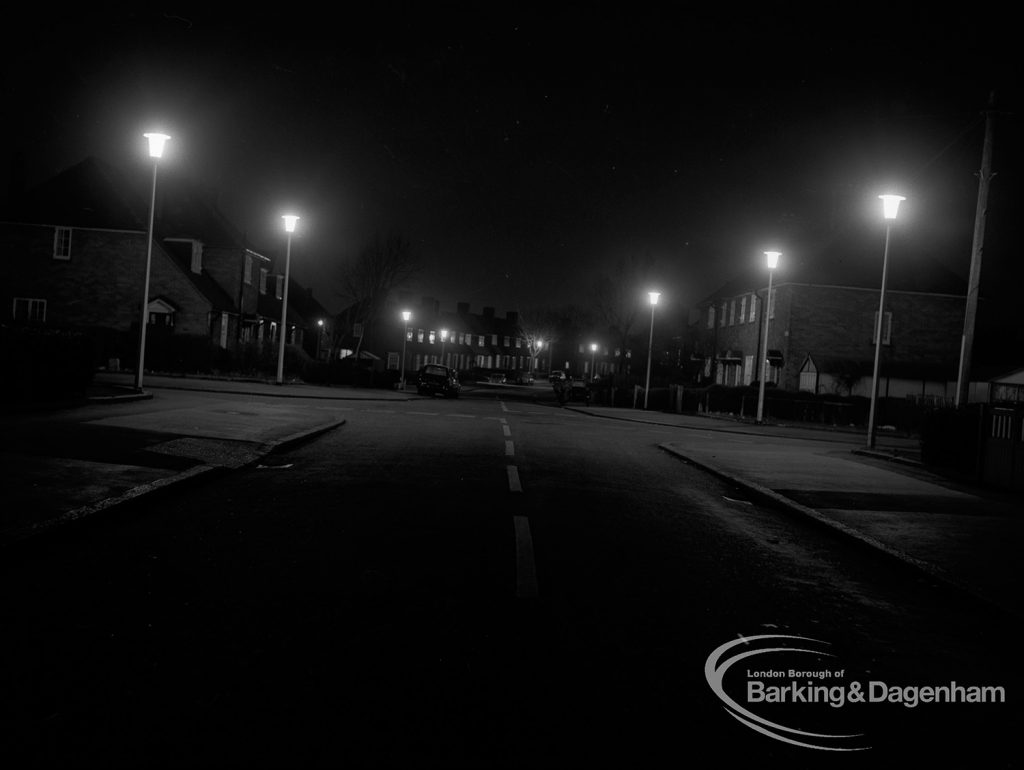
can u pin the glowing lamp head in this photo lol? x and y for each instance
(890, 205)
(593, 347)
(320, 322)
(289, 222)
(444, 334)
(406, 315)
(156, 144)
(773, 259)
(653, 295)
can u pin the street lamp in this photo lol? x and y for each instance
(406, 315)
(593, 352)
(444, 336)
(289, 228)
(773, 261)
(653, 295)
(319, 336)
(538, 344)
(156, 150)
(890, 204)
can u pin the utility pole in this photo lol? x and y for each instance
(974, 277)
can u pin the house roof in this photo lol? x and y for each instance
(854, 263)
(180, 254)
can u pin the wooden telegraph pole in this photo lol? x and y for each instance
(974, 277)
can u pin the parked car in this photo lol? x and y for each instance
(520, 377)
(557, 375)
(434, 379)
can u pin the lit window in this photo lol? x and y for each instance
(62, 243)
(419, 335)
(519, 342)
(433, 336)
(753, 305)
(732, 312)
(263, 280)
(27, 309)
(480, 341)
(743, 309)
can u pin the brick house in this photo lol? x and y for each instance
(74, 253)
(821, 329)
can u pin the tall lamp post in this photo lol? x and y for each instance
(289, 228)
(319, 336)
(773, 261)
(156, 150)
(890, 205)
(653, 297)
(444, 337)
(593, 352)
(406, 315)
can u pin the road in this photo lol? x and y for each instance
(477, 582)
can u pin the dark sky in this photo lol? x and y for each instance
(522, 152)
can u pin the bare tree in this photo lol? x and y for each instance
(538, 326)
(367, 281)
(617, 299)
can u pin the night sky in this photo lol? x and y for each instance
(524, 152)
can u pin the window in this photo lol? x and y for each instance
(419, 335)
(279, 286)
(263, 280)
(743, 309)
(732, 312)
(519, 342)
(494, 339)
(408, 333)
(508, 342)
(248, 270)
(27, 309)
(886, 328)
(480, 340)
(753, 304)
(432, 336)
(62, 243)
(721, 321)
(711, 317)
(161, 319)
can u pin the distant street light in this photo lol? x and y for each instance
(406, 315)
(653, 296)
(593, 352)
(319, 336)
(156, 150)
(444, 337)
(289, 227)
(537, 344)
(773, 261)
(890, 205)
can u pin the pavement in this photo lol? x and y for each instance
(71, 461)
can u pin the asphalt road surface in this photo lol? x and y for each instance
(474, 583)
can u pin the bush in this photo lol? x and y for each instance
(44, 364)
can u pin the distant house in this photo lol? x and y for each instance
(822, 322)
(74, 254)
(462, 340)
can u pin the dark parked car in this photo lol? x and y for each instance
(557, 375)
(434, 378)
(520, 377)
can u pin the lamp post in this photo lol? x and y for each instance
(773, 261)
(653, 297)
(156, 150)
(538, 344)
(890, 205)
(406, 315)
(593, 352)
(319, 336)
(289, 228)
(444, 337)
